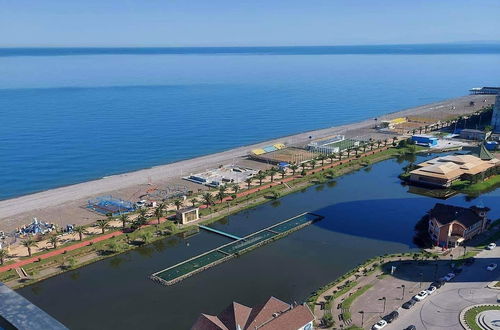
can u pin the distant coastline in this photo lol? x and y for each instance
(395, 49)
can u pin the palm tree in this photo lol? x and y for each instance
(29, 243)
(272, 172)
(340, 155)
(313, 163)
(322, 158)
(385, 142)
(371, 145)
(53, 240)
(159, 212)
(303, 165)
(80, 230)
(294, 168)
(103, 224)
(349, 150)
(220, 195)
(331, 157)
(194, 201)
(223, 188)
(394, 139)
(124, 220)
(356, 150)
(379, 143)
(3, 255)
(178, 204)
(248, 182)
(282, 171)
(236, 188)
(260, 177)
(364, 145)
(207, 197)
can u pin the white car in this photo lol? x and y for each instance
(491, 267)
(379, 325)
(491, 246)
(431, 290)
(421, 295)
(449, 277)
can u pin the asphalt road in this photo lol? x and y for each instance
(441, 310)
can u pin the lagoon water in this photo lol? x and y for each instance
(73, 115)
(367, 213)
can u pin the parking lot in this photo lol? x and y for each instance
(441, 310)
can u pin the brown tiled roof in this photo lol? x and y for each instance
(208, 322)
(235, 315)
(290, 320)
(274, 314)
(264, 312)
(445, 214)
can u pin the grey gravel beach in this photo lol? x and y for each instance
(65, 205)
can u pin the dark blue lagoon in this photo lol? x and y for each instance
(367, 213)
(69, 119)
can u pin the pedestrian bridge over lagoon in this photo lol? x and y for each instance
(182, 270)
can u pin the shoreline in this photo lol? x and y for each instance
(18, 210)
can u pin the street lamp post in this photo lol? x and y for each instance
(362, 318)
(403, 287)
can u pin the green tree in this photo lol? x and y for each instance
(53, 239)
(194, 201)
(159, 211)
(80, 230)
(178, 204)
(29, 243)
(124, 219)
(102, 224)
(322, 158)
(207, 198)
(260, 177)
(3, 256)
(221, 195)
(294, 168)
(236, 188)
(248, 181)
(313, 163)
(272, 172)
(282, 172)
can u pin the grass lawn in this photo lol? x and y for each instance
(470, 315)
(477, 188)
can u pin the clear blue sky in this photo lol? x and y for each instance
(245, 22)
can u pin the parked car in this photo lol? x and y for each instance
(431, 289)
(379, 325)
(491, 267)
(391, 316)
(409, 304)
(421, 295)
(449, 277)
(491, 246)
(438, 284)
(411, 327)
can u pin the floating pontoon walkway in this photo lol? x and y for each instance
(180, 271)
(219, 232)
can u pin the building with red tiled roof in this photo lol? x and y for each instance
(273, 314)
(450, 225)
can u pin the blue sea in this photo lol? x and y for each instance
(74, 114)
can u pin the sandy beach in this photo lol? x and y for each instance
(65, 205)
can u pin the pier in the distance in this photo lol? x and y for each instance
(182, 270)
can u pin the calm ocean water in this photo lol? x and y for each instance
(97, 112)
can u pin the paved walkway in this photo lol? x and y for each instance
(59, 251)
(75, 246)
